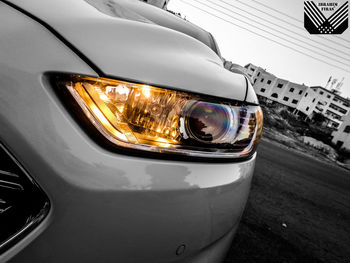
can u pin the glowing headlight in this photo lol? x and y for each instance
(154, 119)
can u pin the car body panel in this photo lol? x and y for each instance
(251, 96)
(143, 12)
(138, 51)
(105, 206)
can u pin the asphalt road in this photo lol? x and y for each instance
(300, 164)
(298, 210)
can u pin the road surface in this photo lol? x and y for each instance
(300, 164)
(298, 210)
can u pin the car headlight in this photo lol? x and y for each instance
(149, 118)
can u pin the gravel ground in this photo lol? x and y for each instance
(298, 210)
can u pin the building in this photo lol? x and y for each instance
(341, 137)
(158, 3)
(302, 100)
(251, 70)
(327, 102)
(270, 88)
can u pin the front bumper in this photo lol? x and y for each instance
(109, 207)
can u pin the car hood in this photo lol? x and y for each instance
(132, 48)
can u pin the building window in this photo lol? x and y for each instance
(313, 100)
(347, 129)
(291, 90)
(255, 81)
(252, 69)
(337, 108)
(262, 80)
(294, 101)
(250, 75)
(274, 95)
(306, 94)
(269, 82)
(262, 90)
(328, 96)
(333, 115)
(258, 74)
(279, 85)
(300, 91)
(307, 108)
(285, 98)
(321, 92)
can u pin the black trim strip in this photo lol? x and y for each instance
(59, 36)
(246, 89)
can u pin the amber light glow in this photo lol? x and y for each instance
(154, 119)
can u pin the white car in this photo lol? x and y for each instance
(122, 136)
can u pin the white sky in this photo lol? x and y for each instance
(241, 46)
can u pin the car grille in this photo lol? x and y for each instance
(23, 205)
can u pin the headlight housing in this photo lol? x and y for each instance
(148, 118)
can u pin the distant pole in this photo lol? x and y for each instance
(340, 84)
(333, 82)
(329, 81)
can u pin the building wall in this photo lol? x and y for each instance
(323, 101)
(269, 86)
(263, 83)
(331, 105)
(308, 102)
(252, 70)
(288, 93)
(293, 93)
(341, 137)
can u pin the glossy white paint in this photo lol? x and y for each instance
(251, 96)
(139, 51)
(106, 207)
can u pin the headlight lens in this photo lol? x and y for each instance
(154, 119)
(209, 122)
